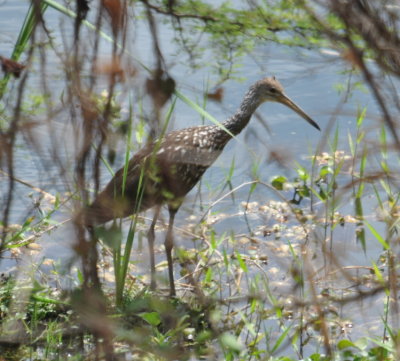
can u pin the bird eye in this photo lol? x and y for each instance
(273, 90)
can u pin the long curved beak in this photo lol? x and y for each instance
(284, 99)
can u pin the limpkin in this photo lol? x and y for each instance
(164, 171)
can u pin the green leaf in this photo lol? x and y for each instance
(226, 262)
(304, 191)
(213, 242)
(209, 275)
(342, 344)
(48, 300)
(379, 276)
(153, 318)
(80, 276)
(322, 195)
(324, 171)
(361, 117)
(204, 336)
(242, 263)
(303, 174)
(278, 182)
(230, 342)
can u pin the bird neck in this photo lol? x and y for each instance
(241, 118)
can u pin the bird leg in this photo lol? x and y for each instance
(169, 244)
(150, 239)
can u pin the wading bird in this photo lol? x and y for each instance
(164, 171)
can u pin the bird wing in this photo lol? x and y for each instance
(193, 146)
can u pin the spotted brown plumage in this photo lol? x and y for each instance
(168, 169)
(164, 171)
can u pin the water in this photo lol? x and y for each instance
(309, 78)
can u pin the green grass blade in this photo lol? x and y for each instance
(361, 116)
(128, 148)
(379, 238)
(280, 340)
(360, 215)
(242, 263)
(201, 111)
(22, 40)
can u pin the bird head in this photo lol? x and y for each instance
(269, 89)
